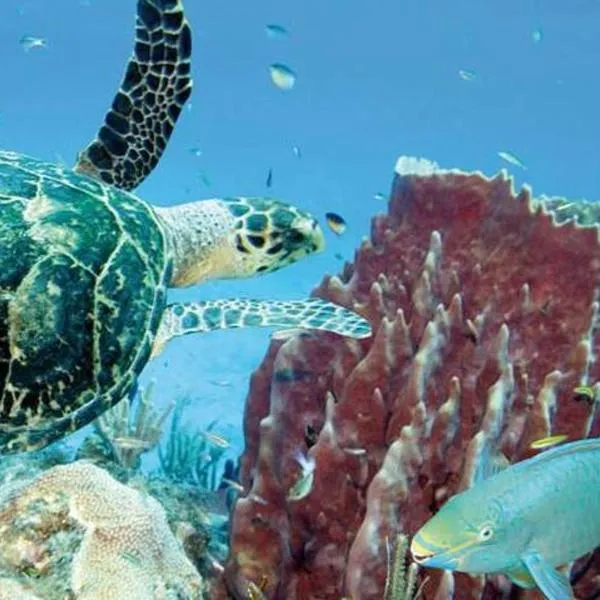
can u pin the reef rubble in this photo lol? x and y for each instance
(484, 304)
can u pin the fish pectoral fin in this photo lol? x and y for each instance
(521, 577)
(554, 584)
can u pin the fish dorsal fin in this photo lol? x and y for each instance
(553, 584)
(490, 464)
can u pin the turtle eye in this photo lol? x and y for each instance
(486, 533)
(294, 236)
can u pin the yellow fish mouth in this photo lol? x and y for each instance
(419, 551)
(432, 555)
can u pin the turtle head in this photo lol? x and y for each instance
(269, 234)
(236, 237)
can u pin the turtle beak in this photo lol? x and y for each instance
(318, 237)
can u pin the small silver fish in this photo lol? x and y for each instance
(467, 75)
(224, 383)
(537, 36)
(132, 443)
(276, 31)
(236, 485)
(258, 499)
(513, 159)
(335, 222)
(269, 181)
(379, 196)
(215, 564)
(195, 151)
(282, 76)
(355, 451)
(297, 152)
(306, 478)
(29, 42)
(215, 439)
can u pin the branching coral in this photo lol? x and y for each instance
(130, 434)
(126, 549)
(189, 456)
(485, 310)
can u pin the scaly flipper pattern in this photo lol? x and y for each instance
(314, 313)
(156, 85)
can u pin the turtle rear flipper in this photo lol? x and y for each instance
(314, 313)
(156, 85)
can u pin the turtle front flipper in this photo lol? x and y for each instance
(156, 85)
(313, 313)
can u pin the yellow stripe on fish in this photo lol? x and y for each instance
(549, 441)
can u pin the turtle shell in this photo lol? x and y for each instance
(83, 278)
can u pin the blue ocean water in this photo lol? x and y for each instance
(374, 80)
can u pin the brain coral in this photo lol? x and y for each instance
(484, 304)
(125, 547)
(12, 590)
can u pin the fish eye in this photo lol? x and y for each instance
(485, 533)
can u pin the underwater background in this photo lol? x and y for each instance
(456, 82)
(374, 80)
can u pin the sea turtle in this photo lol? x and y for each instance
(85, 265)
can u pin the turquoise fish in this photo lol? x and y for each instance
(523, 521)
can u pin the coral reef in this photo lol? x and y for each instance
(119, 540)
(484, 304)
(129, 433)
(42, 539)
(124, 433)
(189, 455)
(12, 590)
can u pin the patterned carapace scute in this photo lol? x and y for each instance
(78, 310)
(484, 305)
